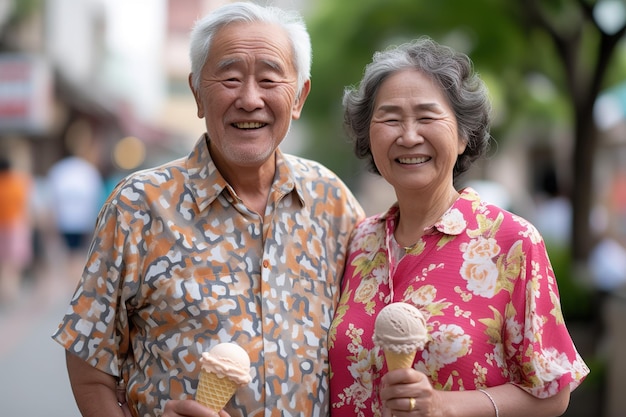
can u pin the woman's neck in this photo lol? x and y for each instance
(420, 211)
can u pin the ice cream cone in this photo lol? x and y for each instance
(400, 330)
(397, 360)
(214, 391)
(223, 369)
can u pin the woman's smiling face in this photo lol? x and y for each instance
(413, 132)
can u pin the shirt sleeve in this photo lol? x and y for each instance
(95, 327)
(540, 350)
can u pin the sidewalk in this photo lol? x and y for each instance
(34, 380)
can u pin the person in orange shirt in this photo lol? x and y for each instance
(15, 233)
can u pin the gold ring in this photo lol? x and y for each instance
(411, 404)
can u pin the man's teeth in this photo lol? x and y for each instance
(249, 125)
(413, 160)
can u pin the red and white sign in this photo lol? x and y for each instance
(25, 94)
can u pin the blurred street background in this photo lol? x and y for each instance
(91, 90)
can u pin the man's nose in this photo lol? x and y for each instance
(250, 96)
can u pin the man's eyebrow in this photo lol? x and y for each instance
(274, 65)
(225, 63)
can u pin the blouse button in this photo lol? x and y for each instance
(266, 263)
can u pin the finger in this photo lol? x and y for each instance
(396, 406)
(405, 377)
(403, 391)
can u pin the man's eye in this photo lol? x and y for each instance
(231, 82)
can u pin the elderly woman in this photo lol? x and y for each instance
(497, 345)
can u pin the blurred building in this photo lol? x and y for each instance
(96, 71)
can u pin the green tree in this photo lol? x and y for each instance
(511, 43)
(17, 13)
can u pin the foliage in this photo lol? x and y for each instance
(544, 61)
(575, 299)
(23, 9)
(18, 12)
(346, 34)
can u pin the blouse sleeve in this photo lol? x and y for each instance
(541, 355)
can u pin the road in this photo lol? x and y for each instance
(34, 381)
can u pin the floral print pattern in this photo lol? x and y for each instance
(482, 278)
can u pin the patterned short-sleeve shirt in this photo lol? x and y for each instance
(482, 278)
(178, 264)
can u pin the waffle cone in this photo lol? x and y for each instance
(399, 360)
(214, 391)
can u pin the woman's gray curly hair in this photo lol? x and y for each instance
(451, 70)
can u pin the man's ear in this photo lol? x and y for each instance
(196, 96)
(299, 103)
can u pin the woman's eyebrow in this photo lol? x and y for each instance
(390, 108)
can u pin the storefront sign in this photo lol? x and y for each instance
(25, 94)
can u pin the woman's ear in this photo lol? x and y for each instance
(462, 145)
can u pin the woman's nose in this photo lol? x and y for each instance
(410, 134)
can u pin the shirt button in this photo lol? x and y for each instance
(266, 263)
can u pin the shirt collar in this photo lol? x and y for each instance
(452, 221)
(207, 183)
(285, 179)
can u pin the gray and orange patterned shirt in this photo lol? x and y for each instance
(178, 264)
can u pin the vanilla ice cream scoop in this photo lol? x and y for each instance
(223, 369)
(400, 328)
(227, 360)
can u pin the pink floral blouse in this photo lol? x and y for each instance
(482, 278)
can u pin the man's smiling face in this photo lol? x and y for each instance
(248, 93)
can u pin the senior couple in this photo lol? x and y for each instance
(240, 242)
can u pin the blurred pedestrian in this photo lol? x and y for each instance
(607, 264)
(235, 242)
(15, 229)
(76, 191)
